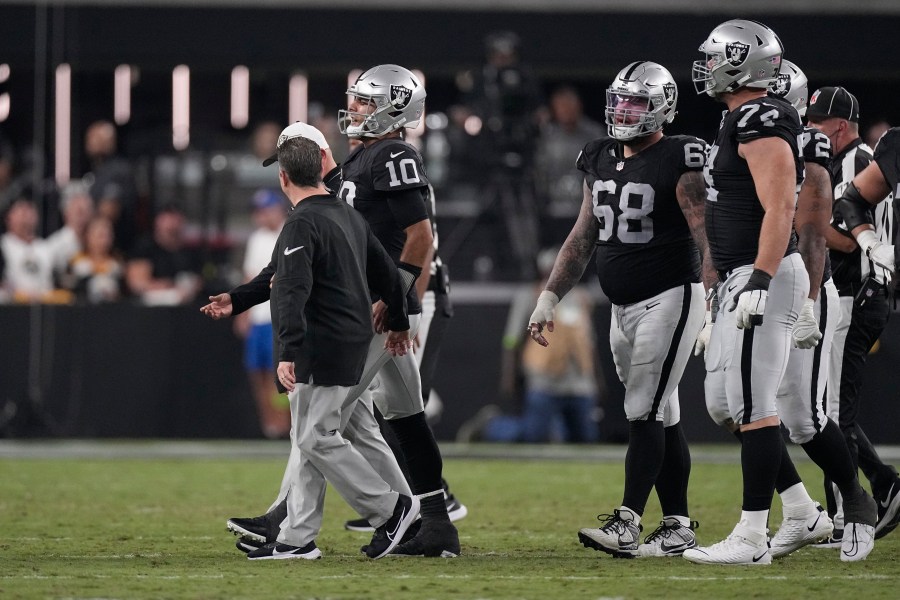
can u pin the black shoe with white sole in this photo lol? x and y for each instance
(888, 511)
(263, 529)
(278, 551)
(389, 535)
(246, 545)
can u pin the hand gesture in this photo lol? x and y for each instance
(219, 307)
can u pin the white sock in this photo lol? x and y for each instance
(796, 495)
(683, 521)
(629, 515)
(755, 520)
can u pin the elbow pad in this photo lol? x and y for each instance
(852, 209)
(408, 275)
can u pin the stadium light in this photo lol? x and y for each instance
(122, 94)
(181, 107)
(240, 97)
(62, 135)
(5, 72)
(298, 98)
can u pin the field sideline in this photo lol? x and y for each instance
(146, 520)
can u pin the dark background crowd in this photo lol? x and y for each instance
(513, 95)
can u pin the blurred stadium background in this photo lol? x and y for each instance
(126, 370)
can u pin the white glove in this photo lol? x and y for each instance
(806, 329)
(875, 250)
(702, 343)
(750, 302)
(542, 315)
(543, 310)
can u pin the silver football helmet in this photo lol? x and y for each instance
(398, 97)
(739, 53)
(791, 85)
(640, 100)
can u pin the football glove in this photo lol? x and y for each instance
(750, 302)
(875, 250)
(806, 329)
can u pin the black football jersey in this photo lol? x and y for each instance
(733, 211)
(887, 155)
(645, 245)
(816, 148)
(370, 178)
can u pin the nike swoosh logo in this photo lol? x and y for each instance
(759, 558)
(815, 523)
(649, 306)
(731, 287)
(275, 552)
(391, 534)
(884, 503)
(396, 154)
(289, 251)
(667, 548)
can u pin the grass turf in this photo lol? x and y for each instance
(155, 528)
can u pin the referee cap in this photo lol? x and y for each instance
(836, 102)
(298, 129)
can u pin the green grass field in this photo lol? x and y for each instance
(155, 528)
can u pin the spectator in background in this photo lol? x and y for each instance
(161, 269)
(28, 272)
(255, 325)
(96, 272)
(560, 380)
(558, 180)
(264, 139)
(77, 208)
(111, 182)
(874, 132)
(8, 189)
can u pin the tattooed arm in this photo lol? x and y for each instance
(691, 194)
(577, 250)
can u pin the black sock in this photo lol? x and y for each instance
(423, 459)
(760, 454)
(672, 481)
(644, 459)
(393, 443)
(787, 472)
(828, 449)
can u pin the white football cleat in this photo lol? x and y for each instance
(671, 538)
(742, 547)
(858, 541)
(802, 525)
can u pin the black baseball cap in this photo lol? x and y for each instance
(830, 102)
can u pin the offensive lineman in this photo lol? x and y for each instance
(643, 197)
(801, 395)
(753, 172)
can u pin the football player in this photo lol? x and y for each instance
(753, 172)
(864, 306)
(871, 187)
(642, 210)
(800, 396)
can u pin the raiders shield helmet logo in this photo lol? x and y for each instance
(669, 91)
(782, 85)
(400, 96)
(736, 53)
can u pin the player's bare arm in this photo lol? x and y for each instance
(811, 222)
(576, 251)
(419, 250)
(835, 240)
(691, 194)
(771, 163)
(872, 186)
